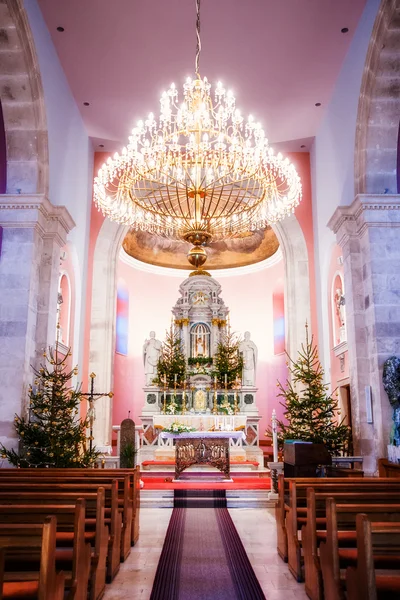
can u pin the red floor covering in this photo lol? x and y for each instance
(241, 483)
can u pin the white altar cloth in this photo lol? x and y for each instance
(201, 422)
(236, 435)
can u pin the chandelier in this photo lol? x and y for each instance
(199, 172)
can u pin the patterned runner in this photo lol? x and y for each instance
(203, 557)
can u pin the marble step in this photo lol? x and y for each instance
(235, 499)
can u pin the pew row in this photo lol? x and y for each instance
(40, 539)
(363, 582)
(92, 521)
(96, 475)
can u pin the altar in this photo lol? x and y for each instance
(202, 394)
(204, 448)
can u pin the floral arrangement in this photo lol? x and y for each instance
(172, 406)
(178, 428)
(225, 406)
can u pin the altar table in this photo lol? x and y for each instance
(203, 447)
(201, 422)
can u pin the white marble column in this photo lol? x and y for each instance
(369, 232)
(33, 232)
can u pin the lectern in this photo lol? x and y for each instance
(301, 459)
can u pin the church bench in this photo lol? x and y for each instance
(71, 533)
(336, 554)
(313, 532)
(292, 492)
(113, 522)
(67, 482)
(46, 583)
(96, 475)
(297, 519)
(362, 581)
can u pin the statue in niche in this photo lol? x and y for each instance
(200, 346)
(151, 354)
(249, 351)
(340, 307)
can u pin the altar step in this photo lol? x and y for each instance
(204, 475)
(238, 468)
(235, 499)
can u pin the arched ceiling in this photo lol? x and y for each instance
(280, 58)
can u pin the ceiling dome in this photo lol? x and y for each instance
(239, 252)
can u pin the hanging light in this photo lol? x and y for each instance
(199, 172)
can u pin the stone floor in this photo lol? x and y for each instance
(256, 528)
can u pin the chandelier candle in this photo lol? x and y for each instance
(198, 172)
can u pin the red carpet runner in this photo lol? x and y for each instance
(203, 557)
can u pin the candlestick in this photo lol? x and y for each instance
(184, 398)
(215, 405)
(274, 436)
(165, 395)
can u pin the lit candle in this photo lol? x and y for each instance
(226, 379)
(175, 377)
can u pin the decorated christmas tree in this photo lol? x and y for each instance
(172, 361)
(311, 413)
(52, 435)
(227, 360)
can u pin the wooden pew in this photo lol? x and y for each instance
(362, 582)
(70, 539)
(334, 557)
(33, 494)
(291, 509)
(68, 482)
(46, 584)
(388, 469)
(106, 475)
(314, 531)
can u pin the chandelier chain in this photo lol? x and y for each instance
(198, 40)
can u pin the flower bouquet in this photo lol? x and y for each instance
(177, 428)
(172, 406)
(225, 406)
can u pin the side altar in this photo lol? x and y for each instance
(200, 323)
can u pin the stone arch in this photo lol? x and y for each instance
(22, 99)
(379, 106)
(103, 308)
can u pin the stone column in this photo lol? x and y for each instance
(368, 232)
(33, 232)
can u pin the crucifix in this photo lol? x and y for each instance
(91, 413)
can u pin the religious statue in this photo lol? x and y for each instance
(340, 307)
(151, 354)
(200, 346)
(248, 349)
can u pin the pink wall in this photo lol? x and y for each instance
(151, 297)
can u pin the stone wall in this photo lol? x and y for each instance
(368, 232)
(33, 233)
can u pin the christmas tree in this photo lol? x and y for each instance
(172, 361)
(227, 360)
(52, 435)
(311, 412)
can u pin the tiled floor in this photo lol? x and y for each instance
(256, 528)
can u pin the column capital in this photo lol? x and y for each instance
(36, 211)
(367, 210)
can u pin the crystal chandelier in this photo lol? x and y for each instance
(199, 172)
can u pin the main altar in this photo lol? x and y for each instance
(204, 402)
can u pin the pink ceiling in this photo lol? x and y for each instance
(279, 57)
